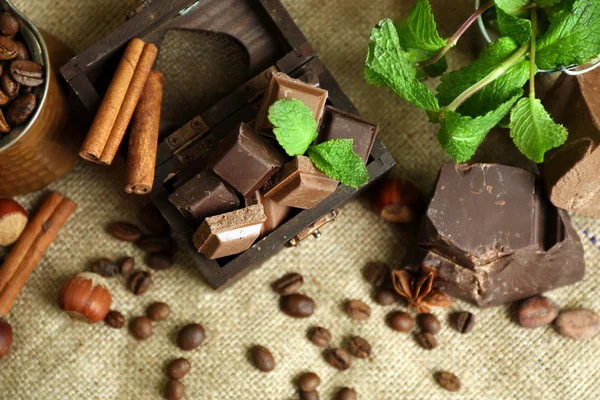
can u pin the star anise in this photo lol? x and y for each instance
(419, 291)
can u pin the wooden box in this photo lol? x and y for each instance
(273, 43)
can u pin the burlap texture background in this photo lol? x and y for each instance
(54, 358)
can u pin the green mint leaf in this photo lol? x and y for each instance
(338, 161)
(513, 7)
(493, 95)
(436, 69)
(533, 130)
(573, 36)
(418, 30)
(387, 64)
(518, 29)
(546, 3)
(461, 135)
(294, 125)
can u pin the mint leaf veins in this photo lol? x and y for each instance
(295, 127)
(418, 30)
(338, 161)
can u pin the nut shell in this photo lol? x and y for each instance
(5, 338)
(399, 201)
(13, 220)
(85, 297)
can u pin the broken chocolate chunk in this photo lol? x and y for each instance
(276, 213)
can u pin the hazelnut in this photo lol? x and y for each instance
(85, 297)
(13, 219)
(399, 200)
(5, 338)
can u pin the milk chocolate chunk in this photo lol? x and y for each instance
(276, 213)
(203, 196)
(338, 124)
(284, 87)
(493, 236)
(299, 184)
(230, 233)
(571, 171)
(245, 160)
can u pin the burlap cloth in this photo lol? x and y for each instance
(54, 358)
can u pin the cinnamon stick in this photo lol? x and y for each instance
(31, 246)
(143, 139)
(99, 132)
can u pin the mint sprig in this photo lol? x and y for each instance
(338, 161)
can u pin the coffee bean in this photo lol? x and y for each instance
(358, 310)
(448, 381)
(153, 220)
(263, 359)
(105, 267)
(174, 390)
(359, 347)
(6, 337)
(22, 52)
(314, 395)
(339, 358)
(158, 311)
(308, 382)
(536, 311)
(26, 72)
(21, 109)
(377, 273)
(4, 126)
(141, 328)
(139, 282)
(115, 319)
(160, 261)
(297, 305)
(319, 336)
(125, 231)
(190, 337)
(346, 394)
(156, 244)
(401, 321)
(288, 284)
(465, 322)
(8, 49)
(8, 85)
(426, 340)
(178, 368)
(26, 89)
(578, 323)
(429, 323)
(9, 24)
(126, 266)
(385, 297)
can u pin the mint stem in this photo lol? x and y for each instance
(532, 54)
(450, 43)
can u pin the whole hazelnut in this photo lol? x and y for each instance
(84, 297)
(13, 219)
(5, 338)
(399, 200)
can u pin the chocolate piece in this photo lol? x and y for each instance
(276, 213)
(231, 233)
(284, 87)
(571, 171)
(338, 124)
(203, 196)
(245, 160)
(494, 237)
(299, 184)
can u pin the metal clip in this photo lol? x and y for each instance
(313, 229)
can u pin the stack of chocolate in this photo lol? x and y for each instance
(249, 186)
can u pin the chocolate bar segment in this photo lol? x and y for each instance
(276, 213)
(299, 184)
(231, 233)
(245, 160)
(338, 124)
(203, 196)
(493, 236)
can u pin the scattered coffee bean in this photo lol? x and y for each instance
(426, 340)
(141, 328)
(536, 311)
(339, 359)
(288, 284)
(125, 231)
(448, 381)
(160, 261)
(105, 267)
(309, 382)
(9, 25)
(377, 273)
(174, 390)
(465, 322)
(347, 394)
(139, 282)
(578, 323)
(359, 347)
(314, 395)
(190, 337)
(8, 85)
(319, 336)
(21, 109)
(115, 319)
(156, 244)
(6, 338)
(263, 359)
(358, 310)
(126, 266)
(8, 49)
(178, 368)
(153, 220)
(158, 311)
(297, 305)
(429, 323)
(385, 297)
(22, 53)
(401, 321)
